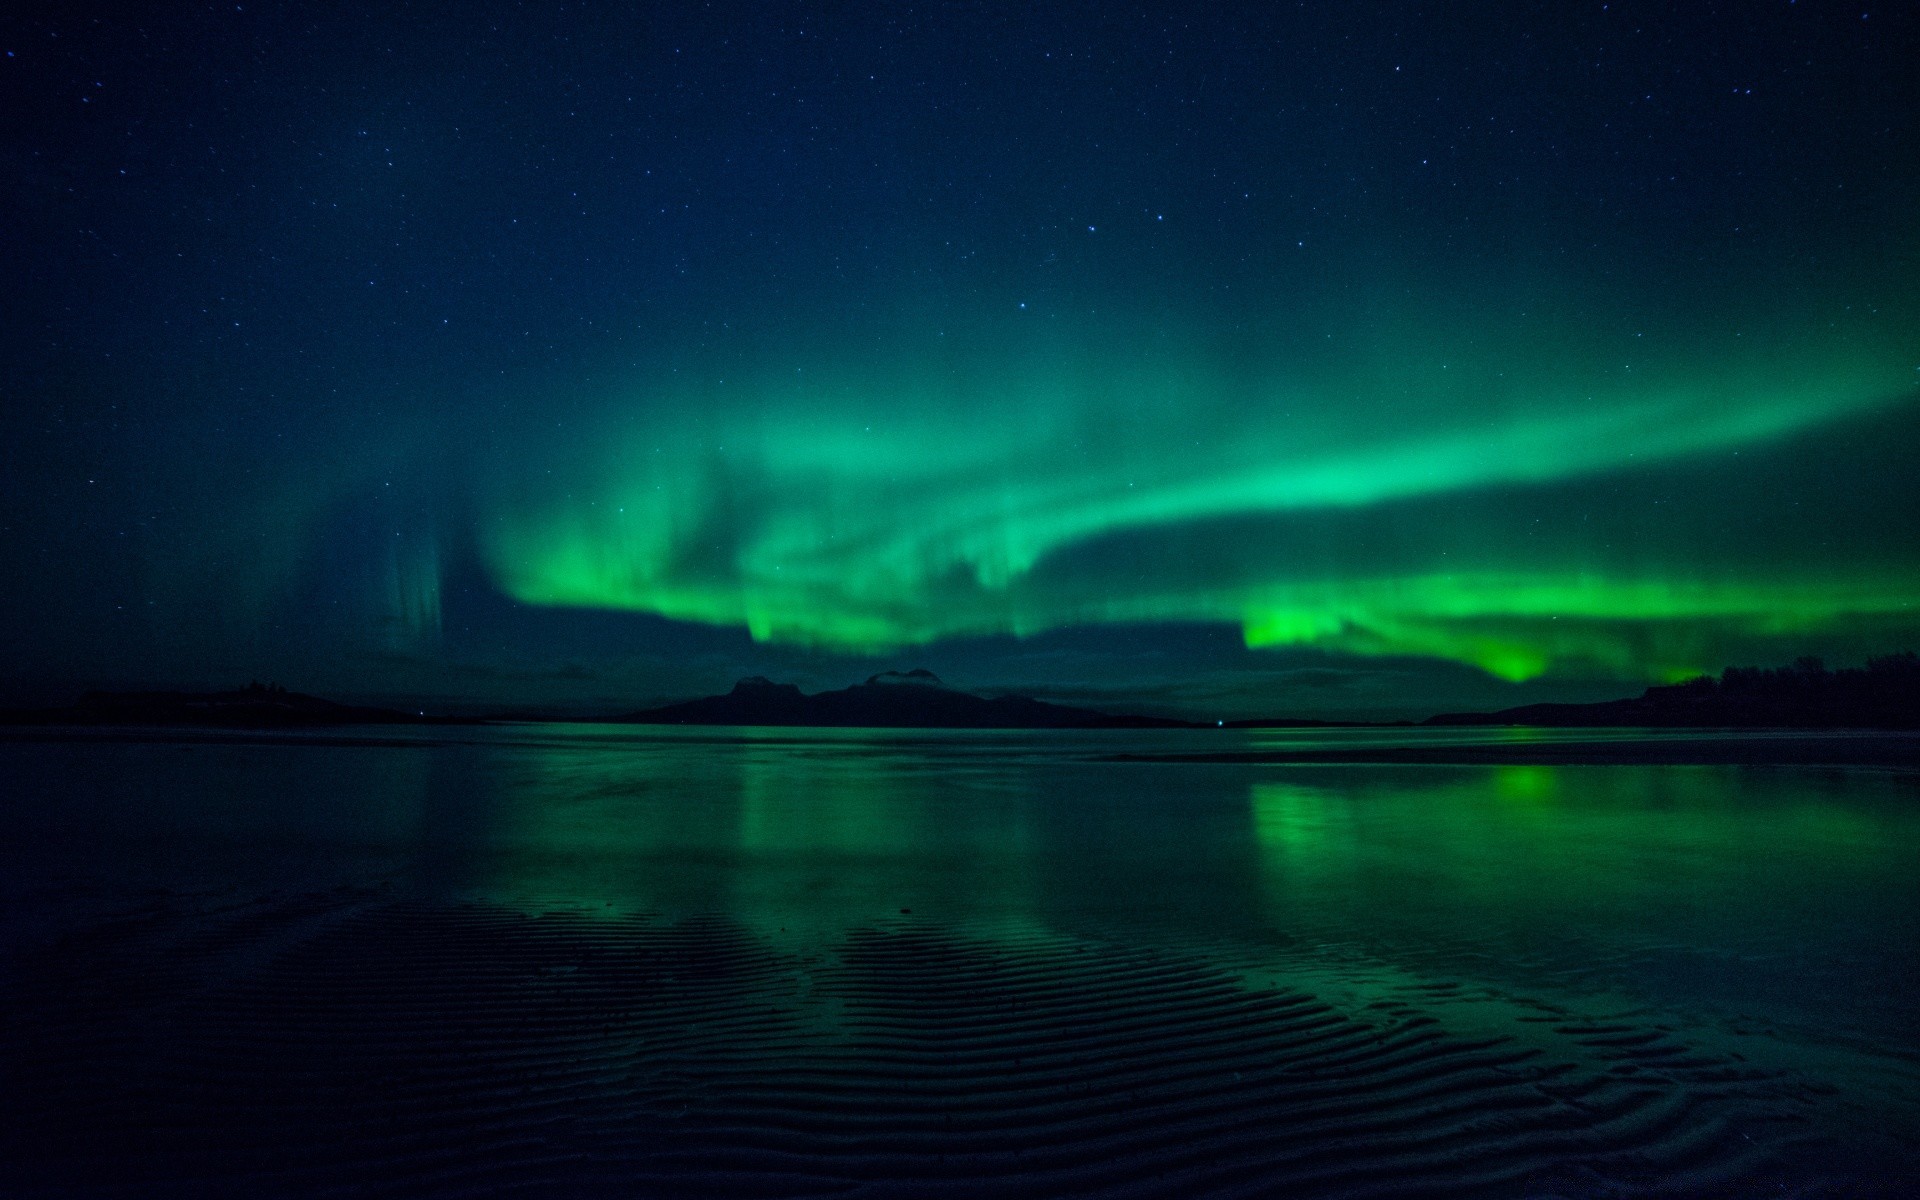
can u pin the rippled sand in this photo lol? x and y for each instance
(394, 1038)
(353, 1044)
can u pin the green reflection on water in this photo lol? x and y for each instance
(1767, 912)
(1703, 880)
(1713, 895)
(778, 833)
(776, 828)
(828, 809)
(1693, 884)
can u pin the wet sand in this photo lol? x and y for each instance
(726, 963)
(352, 1044)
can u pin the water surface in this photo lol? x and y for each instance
(794, 962)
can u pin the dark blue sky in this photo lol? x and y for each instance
(1315, 358)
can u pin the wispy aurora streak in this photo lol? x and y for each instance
(995, 493)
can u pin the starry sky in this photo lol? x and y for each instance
(1314, 359)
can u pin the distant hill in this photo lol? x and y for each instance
(256, 706)
(1307, 723)
(1885, 694)
(914, 700)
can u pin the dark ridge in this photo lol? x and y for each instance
(911, 700)
(1309, 723)
(351, 1045)
(918, 677)
(1885, 694)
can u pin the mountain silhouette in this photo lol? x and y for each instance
(911, 700)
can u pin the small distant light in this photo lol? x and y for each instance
(1222, 724)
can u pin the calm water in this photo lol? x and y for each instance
(1747, 936)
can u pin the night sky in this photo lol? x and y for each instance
(1325, 359)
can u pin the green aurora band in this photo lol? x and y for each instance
(1523, 499)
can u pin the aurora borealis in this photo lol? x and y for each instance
(604, 354)
(830, 519)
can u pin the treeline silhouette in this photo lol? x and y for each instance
(1884, 694)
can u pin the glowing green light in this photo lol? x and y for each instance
(1517, 627)
(880, 510)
